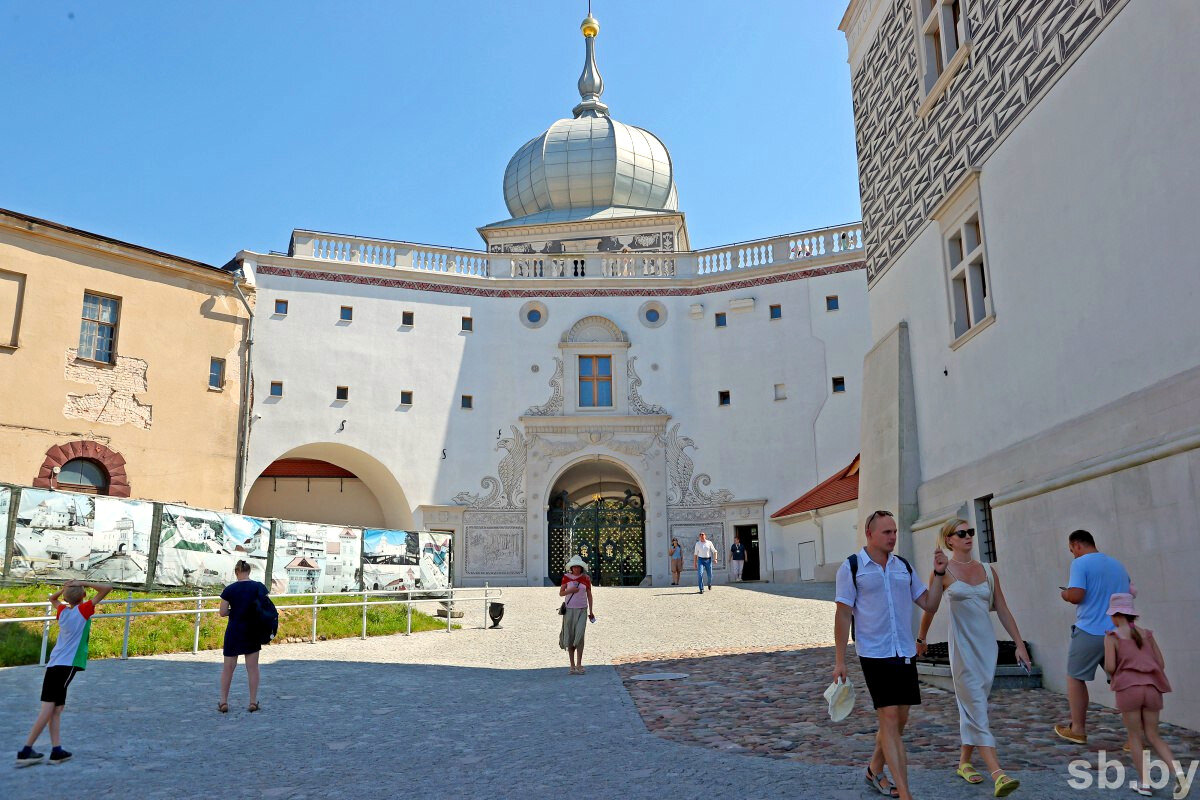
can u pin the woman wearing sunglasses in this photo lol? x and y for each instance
(973, 591)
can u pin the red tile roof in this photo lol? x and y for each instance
(840, 488)
(305, 468)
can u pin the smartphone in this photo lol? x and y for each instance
(1063, 588)
(1025, 667)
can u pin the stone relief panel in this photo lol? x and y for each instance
(554, 406)
(506, 491)
(114, 402)
(494, 543)
(548, 447)
(658, 242)
(686, 490)
(688, 533)
(907, 163)
(595, 329)
(636, 404)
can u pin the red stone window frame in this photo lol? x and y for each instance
(112, 461)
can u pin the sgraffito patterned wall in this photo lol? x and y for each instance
(907, 164)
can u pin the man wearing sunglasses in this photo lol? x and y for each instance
(879, 596)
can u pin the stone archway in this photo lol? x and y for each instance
(596, 510)
(112, 461)
(352, 488)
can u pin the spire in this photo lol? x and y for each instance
(591, 85)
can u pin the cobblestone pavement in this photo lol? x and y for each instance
(470, 714)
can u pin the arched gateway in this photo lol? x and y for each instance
(596, 510)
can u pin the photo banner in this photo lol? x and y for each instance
(316, 558)
(401, 560)
(199, 548)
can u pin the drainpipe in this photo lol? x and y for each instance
(820, 536)
(244, 421)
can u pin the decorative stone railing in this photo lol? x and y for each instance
(827, 244)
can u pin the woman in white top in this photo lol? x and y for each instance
(973, 590)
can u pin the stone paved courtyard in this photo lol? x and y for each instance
(492, 714)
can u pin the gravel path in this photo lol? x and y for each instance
(470, 714)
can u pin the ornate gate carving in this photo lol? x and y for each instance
(610, 534)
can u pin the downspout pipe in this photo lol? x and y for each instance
(247, 380)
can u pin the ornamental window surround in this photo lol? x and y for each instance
(965, 261)
(943, 45)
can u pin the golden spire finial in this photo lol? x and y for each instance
(590, 26)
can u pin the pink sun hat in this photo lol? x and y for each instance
(1121, 603)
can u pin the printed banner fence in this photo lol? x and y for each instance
(53, 536)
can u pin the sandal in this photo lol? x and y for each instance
(580, 671)
(254, 707)
(1005, 785)
(223, 708)
(877, 782)
(1142, 789)
(968, 773)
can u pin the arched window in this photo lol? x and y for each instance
(83, 475)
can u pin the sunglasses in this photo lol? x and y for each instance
(875, 515)
(968, 533)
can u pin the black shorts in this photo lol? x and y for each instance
(891, 681)
(54, 685)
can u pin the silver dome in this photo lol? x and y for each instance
(582, 166)
(590, 162)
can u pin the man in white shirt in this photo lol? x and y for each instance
(877, 589)
(702, 560)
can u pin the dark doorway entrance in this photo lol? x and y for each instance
(609, 532)
(749, 537)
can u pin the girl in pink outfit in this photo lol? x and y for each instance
(1135, 664)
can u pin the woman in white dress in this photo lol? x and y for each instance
(973, 592)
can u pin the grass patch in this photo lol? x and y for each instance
(21, 643)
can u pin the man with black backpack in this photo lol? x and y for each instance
(876, 590)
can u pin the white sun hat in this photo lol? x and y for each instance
(577, 561)
(840, 696)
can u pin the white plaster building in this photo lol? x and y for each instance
(1028, 168)
(584, 383)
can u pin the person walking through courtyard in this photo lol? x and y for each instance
(1135, 665)
(676, 561)
(973, 590)
(737, 559)
(240, 603)
(1095, 577)
(576, 586)
(876, 589)
(703, 556)
(68, 658)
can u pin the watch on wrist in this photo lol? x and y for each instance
(939, 574)
(920, 641)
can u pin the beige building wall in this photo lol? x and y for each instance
(153, 406)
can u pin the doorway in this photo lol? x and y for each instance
(748, 534)
(596, 511)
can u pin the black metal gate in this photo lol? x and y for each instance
(610, 534)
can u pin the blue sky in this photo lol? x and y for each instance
(205, 128)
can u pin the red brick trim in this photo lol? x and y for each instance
(482, 291)
(112, 461)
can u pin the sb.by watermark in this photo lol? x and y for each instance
(1111, 773)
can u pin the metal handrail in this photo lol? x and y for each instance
(444, 596)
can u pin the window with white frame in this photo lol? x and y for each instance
(942, 31)
(970, 303)
(98, 329)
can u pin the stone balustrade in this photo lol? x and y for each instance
(828, 245)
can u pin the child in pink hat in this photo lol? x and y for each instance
(1135, 664)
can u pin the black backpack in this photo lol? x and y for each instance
(264, 618)
(852, 560)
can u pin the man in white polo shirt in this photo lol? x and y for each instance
(702, 559)
(877, 589)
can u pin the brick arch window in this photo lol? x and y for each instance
(109, 462)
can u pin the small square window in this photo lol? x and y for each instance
(831, 302)
(406, 319)
(468, 324)
(281, 307)
(468, 401)
(343, 393)
(839, 385)
(276, 388)
(723, 397)
(347, 313)
(216, 373)
(406, 398)
(781, 391)
(719, 319)
(776, 312)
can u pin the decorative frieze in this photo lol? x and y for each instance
(554, 406)
(636, 404)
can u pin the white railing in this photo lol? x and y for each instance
(449, 597)
(829, 245)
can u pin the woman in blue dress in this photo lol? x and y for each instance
(239, 600)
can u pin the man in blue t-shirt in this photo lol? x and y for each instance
(1095, 578)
